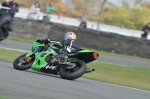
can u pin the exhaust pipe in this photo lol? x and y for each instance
(89, 70)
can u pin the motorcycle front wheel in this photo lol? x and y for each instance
(22, 66)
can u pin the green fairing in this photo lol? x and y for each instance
(29, 53)
(35, 66)
(84, 51)
(36, 46)
(40, 57)
(53, 47)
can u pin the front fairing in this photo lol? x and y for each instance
(40, 60)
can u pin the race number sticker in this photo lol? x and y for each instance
(95, 55)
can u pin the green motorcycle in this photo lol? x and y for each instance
(49, 61)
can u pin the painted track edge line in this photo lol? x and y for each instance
(111, 63)
(14, 49)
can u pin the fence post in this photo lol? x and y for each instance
(101, 14)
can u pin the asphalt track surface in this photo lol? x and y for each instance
(102, 58)
(15, 84)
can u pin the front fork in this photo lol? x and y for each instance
(28, 57)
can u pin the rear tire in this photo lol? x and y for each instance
(73, 75)
(23, 67)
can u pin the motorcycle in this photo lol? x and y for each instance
(49, 61)
(5, 33)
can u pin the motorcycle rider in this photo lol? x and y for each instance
(67, 45)
(5, 23)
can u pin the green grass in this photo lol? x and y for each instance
(9, 55)
(31, 40)
(3, 98)
(136, 77)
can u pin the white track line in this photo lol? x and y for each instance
(111, 63)
(95, 61)
(128, 87)
(14, 49)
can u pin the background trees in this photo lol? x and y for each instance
(126, 13)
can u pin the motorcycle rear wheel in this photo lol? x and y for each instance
(71, 75)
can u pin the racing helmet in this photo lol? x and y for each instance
(70, 36)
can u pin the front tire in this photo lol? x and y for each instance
(73, 75)
(24, 66)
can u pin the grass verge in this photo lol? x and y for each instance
(136, 77)
(3, 98)
(31, 40)
(9, 55)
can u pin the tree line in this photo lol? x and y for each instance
(127, 15)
